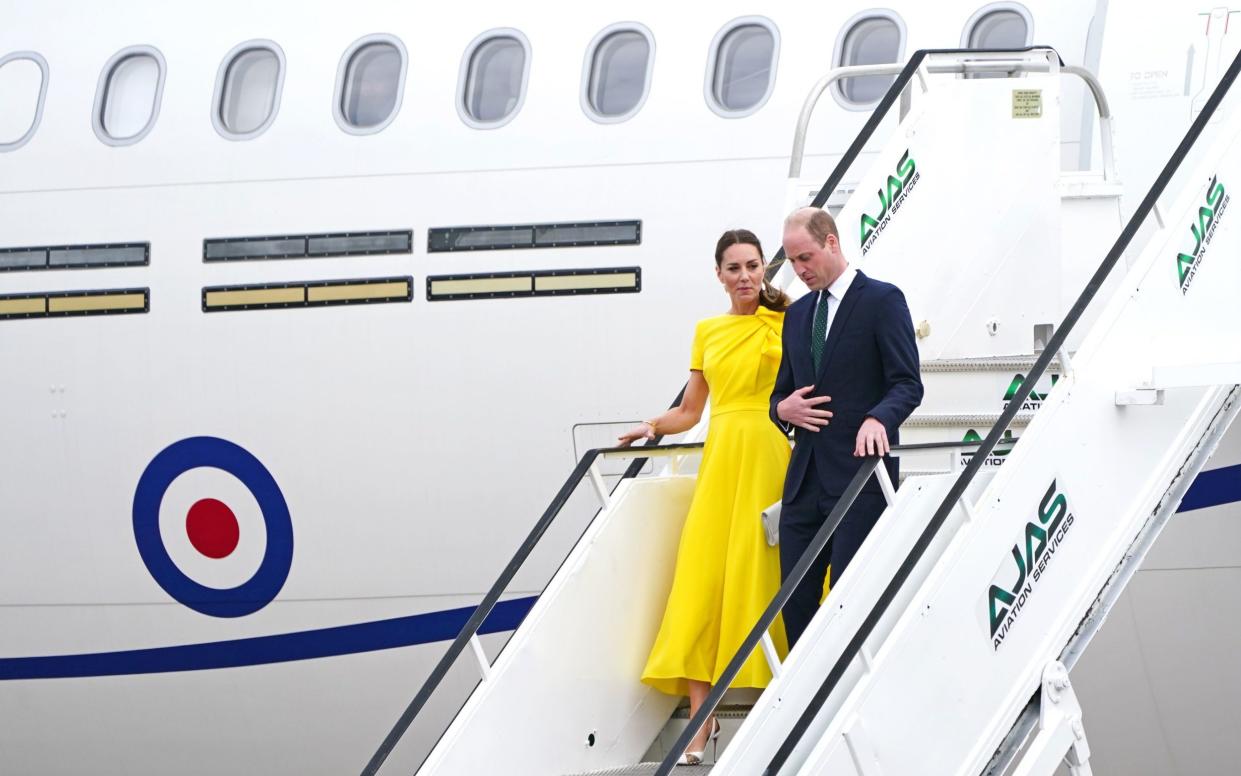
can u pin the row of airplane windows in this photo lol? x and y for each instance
(487, 237)
(494, 73)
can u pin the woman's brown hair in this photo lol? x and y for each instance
(770, 297)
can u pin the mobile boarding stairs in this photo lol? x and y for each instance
(946, 647)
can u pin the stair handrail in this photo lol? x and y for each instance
(471, 627)
(1054, 346)
(870, 467)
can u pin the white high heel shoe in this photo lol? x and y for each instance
(695, 758)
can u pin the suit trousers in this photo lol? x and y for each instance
(800, 520)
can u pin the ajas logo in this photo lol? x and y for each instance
(1187, 264)
(1002, 448)
(1030, 556)
(1034, 400)
(891, 196)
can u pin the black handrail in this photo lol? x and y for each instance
(523, 552)
(773, 610)
(716, 695)
(472, 625)
(993, 437)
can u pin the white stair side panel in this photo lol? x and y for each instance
(978, 392)
(976, 235)
(979, 232)
(946, 688)
(836, 622)
(573, 668)
(1090, 220)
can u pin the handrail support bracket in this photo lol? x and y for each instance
(601, 488)
(484, 664)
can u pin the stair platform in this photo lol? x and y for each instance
(647, 769)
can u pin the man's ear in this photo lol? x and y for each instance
(832, 243)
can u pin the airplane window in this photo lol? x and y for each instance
(370, 84)
(248, 91)
(743, 67)
(619, 74)
(23, 84)
(495, 78)
(871, 39)
(1000, 30)
(127, 102)
(998, 26)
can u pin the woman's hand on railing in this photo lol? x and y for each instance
(644, 430)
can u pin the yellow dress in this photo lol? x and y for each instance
(726, 574)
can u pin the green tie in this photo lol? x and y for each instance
(818, 332)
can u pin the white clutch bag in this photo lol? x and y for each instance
(771, 523)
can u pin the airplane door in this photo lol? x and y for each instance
(1210, 54)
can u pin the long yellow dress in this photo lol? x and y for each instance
(726, 574)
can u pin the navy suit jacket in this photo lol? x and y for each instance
(870, 368)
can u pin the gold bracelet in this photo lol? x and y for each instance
(654, 426)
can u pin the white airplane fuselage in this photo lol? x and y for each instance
(383, 460)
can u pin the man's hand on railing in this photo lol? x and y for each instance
(802, 412)
(872, 439)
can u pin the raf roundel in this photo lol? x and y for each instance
(211, 527)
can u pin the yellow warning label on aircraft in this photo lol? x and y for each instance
(1027, 103)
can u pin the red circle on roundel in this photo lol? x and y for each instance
(212, 528)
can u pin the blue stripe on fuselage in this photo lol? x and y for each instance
(279, 648)
(1211, 488)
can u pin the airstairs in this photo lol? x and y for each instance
(946, 647)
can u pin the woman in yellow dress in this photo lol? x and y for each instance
(726, 573)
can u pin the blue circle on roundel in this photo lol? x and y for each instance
(192, 453)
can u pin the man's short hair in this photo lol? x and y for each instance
(817, 222)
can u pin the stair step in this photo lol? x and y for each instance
(986, 364)
(972, 420)
(723, 711)
(647, 769)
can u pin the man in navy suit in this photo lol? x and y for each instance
(848, 378)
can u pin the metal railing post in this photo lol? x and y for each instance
(484, 665)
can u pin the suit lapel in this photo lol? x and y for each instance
(840, 320)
